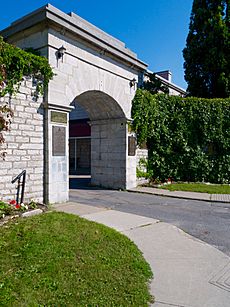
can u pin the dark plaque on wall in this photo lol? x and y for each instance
(58, 140)
(131, 146)
(58, 117)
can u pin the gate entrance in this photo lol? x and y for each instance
(97, 144)
(98, 73)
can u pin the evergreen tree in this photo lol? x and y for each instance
(207, 51)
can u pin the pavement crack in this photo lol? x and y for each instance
(145, 225)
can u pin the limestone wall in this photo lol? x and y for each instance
(24, 145)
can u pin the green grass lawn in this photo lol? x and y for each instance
(198, 187)
(58, 259)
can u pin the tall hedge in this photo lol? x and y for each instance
(188, 138)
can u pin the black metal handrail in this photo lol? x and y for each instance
(20, 184)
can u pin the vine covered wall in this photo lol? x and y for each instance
(15, 64)
(188, 138)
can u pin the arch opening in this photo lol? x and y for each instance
(97, 144)
(99, 105)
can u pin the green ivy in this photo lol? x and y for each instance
(16, 63)
(188, 138)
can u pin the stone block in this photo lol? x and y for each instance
(37, 158)
(28, 127)
(17, 152)
(20, 165)
(104, 133)
(38, 117)
(12, 145)
(30, 110)
(35, 163)
(36, 177)
(19, 120)
(3, 172)
(5, 192)
(19, 108)
(38, 183)
(32, 213)
(34, 195)
(6, 165)
(24, 103)
(21, 96)
(14, 126)
(22, 139)
(26, 158)
(31, 146)
(24, 115)
(7, 179)
(12, 158)
(35, 188)
(10, 138)
(36, 140)
(15, 132)
(32, 134)
(33, 152)
(38, 170)
(34, 122)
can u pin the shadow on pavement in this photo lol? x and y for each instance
(79, 182)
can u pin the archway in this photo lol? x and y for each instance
(98, 124)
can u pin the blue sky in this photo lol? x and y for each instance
(155, 29)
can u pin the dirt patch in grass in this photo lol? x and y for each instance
(58, 259)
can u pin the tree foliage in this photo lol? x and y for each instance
(154, 85)
(188, 138)
(207, 51)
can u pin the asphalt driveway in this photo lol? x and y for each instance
(207, 221)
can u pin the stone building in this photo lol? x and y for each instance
(93, 70)
(95, 80)
(80, 131)
(166, 79)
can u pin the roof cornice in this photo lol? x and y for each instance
(77, 26)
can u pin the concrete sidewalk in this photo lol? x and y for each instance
(222, 198)
(187, 271)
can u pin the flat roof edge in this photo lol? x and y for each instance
(171, 84)
(50, 13)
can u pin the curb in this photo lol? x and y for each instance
(180, 197)
(32, 213)
(23, 215)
